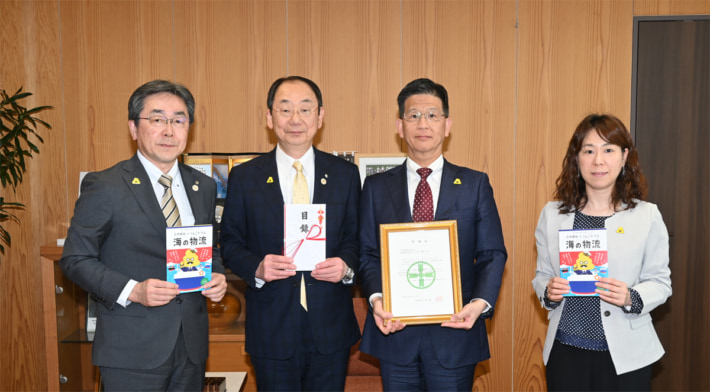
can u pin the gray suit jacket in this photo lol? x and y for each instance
(637, 242)
(118, 233)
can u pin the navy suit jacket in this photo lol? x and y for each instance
(467, 197)
(118, 233)
(252, 227)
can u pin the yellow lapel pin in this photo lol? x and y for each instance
(269, 180)
(620, 230)
(136, 181)
(457, 182)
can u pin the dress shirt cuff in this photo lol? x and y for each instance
(123, 298)
(258, 283)
(488, 306)
(373, 297)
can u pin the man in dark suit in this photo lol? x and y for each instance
(431, 357)
(149, 336)
(300, 325)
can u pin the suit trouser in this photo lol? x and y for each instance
(178, 373)
(426, 373)
(306, 370)
(571, 368)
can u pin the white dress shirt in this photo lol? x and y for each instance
(183, 204)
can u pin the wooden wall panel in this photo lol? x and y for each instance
(469, 47)
(228, 54)
(516, 94)
(30, 59)
(574, 59)
(108, 49)
(352, 50)
(671, 7)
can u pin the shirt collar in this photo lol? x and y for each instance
(307, 160)
(435, 166)
(153, 172)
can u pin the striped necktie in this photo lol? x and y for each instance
(170, 210)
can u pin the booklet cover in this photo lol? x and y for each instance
(189, 256)
(304, 234)
(583, 260)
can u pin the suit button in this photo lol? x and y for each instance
(607, 313)
(179, 300)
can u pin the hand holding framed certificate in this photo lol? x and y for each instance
(421, 281)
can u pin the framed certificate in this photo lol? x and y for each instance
(421, 280)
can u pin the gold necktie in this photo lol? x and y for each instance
(170, 210)
(300, 196)
(300, 186)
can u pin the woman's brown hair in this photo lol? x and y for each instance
(630, 184)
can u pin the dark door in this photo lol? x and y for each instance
(671, 125)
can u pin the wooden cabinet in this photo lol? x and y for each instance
(68, 345)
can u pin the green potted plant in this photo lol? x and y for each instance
(17, 124)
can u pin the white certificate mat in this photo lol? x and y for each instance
(420, 271)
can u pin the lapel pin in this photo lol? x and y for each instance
(270, 180)
(195, 188)
(326, 175)
(323, 181)
(136, 181)
(620, 230)
(457, 182)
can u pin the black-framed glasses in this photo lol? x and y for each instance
(431, 115)
(161, 122)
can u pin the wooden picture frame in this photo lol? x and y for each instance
(421, 278)
(370, 164)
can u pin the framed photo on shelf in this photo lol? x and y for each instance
(217, 166)
(238, 159)
(421, 279)
(370, 164)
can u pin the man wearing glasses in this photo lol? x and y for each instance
(427, 187)
(300, 325)
(149, 336)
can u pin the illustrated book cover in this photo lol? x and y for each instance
(189, 256)
(583, 260)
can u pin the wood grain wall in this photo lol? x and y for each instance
(520, 75)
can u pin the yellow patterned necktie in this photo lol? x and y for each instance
(300, 186)
(300, 196)
(170, 210)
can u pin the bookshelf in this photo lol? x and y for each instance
(68, 344)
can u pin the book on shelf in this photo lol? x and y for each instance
(217, 166)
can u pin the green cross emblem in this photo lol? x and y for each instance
(421, 275)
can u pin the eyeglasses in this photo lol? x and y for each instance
(288, 112)
(431, 116)
(161, 122)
